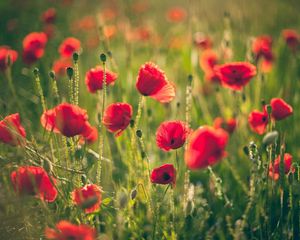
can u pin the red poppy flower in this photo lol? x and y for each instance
(208, 60)
(291, 38)
(262, 49)
(68, 47)
(280, 109)
(34, 180)
(90, 134)
(171, 135)
(87, 197)
(152, 82)
(176, 14)
(5, 53)
(117, 117)
(206, 147)
(49, 16)
(164, 174)
(258, 121)
(67, 119)
(60, 66)
(228, 125)
(274, 170)
(202, 41)
(66, 231)
(235, 75)
(11, 130)
(94, 78)
(34, 47)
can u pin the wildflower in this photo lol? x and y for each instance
(235, 75)
(49, 16)
(171, 135)
(202, 41)
(87, 197)
(94, 78)
(32, 180)
(206, 147)
(291, 38)
(90, 134)
(117, 117)
(68, 47)
(66, 230)
(11, 130)
(34, 47)
(280, 109)
(67, 119)
(152, 82)
(258, 121)
(164, 174)
(176, 14)
(274, 169)
(262, 50)
(5, 54)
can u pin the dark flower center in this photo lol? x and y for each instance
(264, 119)
(172, 141)
(166, 176)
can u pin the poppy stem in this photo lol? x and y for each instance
(101, 129)
(39, 88)
(76, 79)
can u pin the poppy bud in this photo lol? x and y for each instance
(139, 133)
(36, 71)
(75, 56)
(246, 150)
(70, 72)
(133, 194)
(270, 138)
(52, 75)
(190, 78)
(103, 57)
(131, 122)
(269, 109)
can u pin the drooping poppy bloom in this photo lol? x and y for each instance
(280, 109)
(165, 174)
(152, 82)
(176, 14)
(68, 47)
(90, 134)
(34, 47)
(235, 75)
(5, 54)
(274, 169)
(228, 125)
(171, 135)
(60, 66)
(66, 231)
(117, 117)
(262, 50)
(67, 119)
(202, 41)
(11, 130)
(258, 121)
(206, 147)
(94, 78)
(87, 197)
(292, 38)
(32, 180)
(49, 16)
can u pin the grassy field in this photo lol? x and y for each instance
(224, 74)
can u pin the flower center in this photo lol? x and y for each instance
(166, 176)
